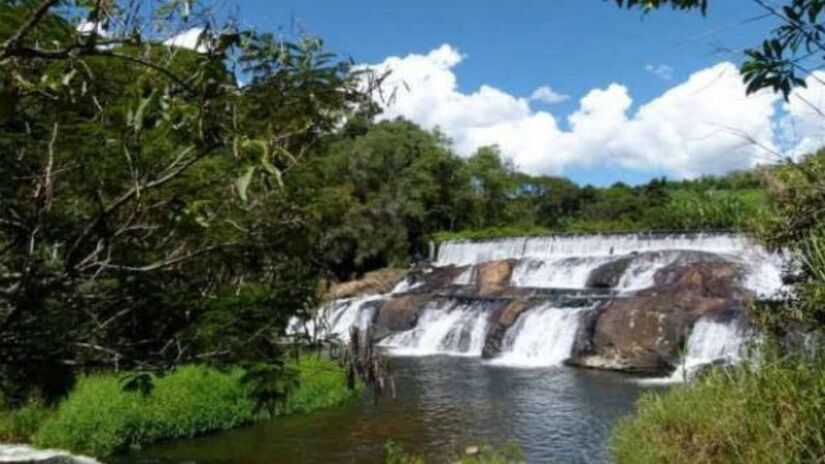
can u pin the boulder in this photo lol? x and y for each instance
(399, 313)
(608, 275)
(376, 282)
(501, 320)
(646, 332)
(713, 279)
(436, 279)
(493, 277)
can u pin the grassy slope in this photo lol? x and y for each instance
(771, 414)
(98, 418)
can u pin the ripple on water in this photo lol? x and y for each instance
(443, 404)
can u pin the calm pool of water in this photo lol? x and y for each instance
(443, 404)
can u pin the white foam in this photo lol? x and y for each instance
(542, 337)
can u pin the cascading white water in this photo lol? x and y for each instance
(462, 253)
(24, 453)
(709, 342)
(712, 341)
(567, 261)
(444, 328)
(337, 318)
(542, 337)
(556, 273)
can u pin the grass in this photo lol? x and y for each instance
(99, 418)
(771, 414)
(20, 425)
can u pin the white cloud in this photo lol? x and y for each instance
(661, 71)
(704, 125)
(190, 39)
(547, 95)
(802, 128)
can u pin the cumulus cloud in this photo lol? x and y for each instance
(662, 71)
(703, 125)
(190, 39)
(803, 123)
(547, 95)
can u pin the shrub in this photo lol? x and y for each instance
(20, 425)
(100, 418)
(323, 384)
(774, 413)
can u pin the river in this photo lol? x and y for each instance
(443, 404)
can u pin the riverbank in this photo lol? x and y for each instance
(99, 418)
(774, 412)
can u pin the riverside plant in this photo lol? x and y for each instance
(99, 417)
(773, 412)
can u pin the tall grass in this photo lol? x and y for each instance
(21, 424)
(99, 418)
(774, 413)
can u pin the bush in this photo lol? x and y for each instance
(323, 384)
(20, 425)
(773, 414)
(100, 418)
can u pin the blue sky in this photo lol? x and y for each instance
(577, 48)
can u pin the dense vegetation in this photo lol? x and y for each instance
(155, 212)
(99, 417)
(377, 192)
(769, 410)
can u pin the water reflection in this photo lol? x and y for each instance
(555, 414)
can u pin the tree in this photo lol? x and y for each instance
(143, 186)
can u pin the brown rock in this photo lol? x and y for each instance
(500, 321)
(608, 275)
(494, 277)
(401, 312)
(376, 282)
(646, 333)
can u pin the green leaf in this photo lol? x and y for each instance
(243, 182)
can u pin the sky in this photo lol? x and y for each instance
(577, 88)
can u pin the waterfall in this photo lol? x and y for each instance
(567, 261)
(463, 253)
(444, 328)
(556, 273)
(544, 336)
(24, 453)
(710, 342)
(337, 318)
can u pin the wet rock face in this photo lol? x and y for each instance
(714, 279)
(400, 313)
(500, 321)
(646, 332)
(493, 277)
(376, 282)
(609, 275)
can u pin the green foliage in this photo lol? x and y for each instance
(322, 385)
(99, 417)
(772, 413)
(143, 215)
(20, 425)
